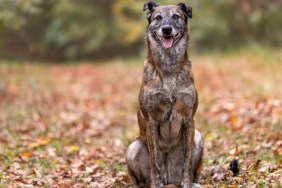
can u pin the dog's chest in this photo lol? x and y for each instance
(170, 103)
(182, 102)
(169, 93)
(170, 88)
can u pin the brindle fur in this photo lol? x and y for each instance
(168, 150)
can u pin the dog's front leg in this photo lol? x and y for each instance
(152, 136)
(188, 144)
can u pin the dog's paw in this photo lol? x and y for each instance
(157, 185)
(196, 185)
(186, 186)
(170, 186)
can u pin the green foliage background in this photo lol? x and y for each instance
(92, 29)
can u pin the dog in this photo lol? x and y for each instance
(169, 149)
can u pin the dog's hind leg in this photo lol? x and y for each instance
(197, 156)
(188, 143)
(138, 164)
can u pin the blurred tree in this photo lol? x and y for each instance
(72, 29)
(129, 18)
(229, 23)
(23, 24)
(80, 27)
(91, 28)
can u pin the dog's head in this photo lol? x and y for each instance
(167, 25)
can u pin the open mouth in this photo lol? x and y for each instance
(168, 40)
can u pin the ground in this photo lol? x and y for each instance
(70, 125)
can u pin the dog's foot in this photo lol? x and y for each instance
(194, 185)
(157, 185)
(170, 186)
(185, 185)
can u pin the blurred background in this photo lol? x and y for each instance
(53, 30)
(70, 74)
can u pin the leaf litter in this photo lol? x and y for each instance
(70, 125)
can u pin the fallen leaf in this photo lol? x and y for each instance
(37, 173)
(26, 155)
(73, 149)
(234, 151)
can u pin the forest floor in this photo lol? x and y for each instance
(69, 125)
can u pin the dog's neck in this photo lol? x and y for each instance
(168, 61)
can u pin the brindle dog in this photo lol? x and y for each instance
(168, 150)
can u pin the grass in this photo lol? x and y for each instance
(70, 125)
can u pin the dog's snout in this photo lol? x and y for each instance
(166, 29)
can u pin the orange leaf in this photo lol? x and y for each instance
(26, 155)
(98, 161)
(44, 141)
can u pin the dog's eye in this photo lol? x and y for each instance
(158, 17)
(175, 16)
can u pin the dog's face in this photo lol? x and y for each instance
(167, 24)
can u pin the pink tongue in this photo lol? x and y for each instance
(167, 43)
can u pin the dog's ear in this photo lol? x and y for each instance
(150, 5)
(186, 9)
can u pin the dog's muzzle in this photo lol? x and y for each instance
(166, 36)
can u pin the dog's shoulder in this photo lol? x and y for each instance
(152, 76)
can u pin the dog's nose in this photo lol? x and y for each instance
(166, 29)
